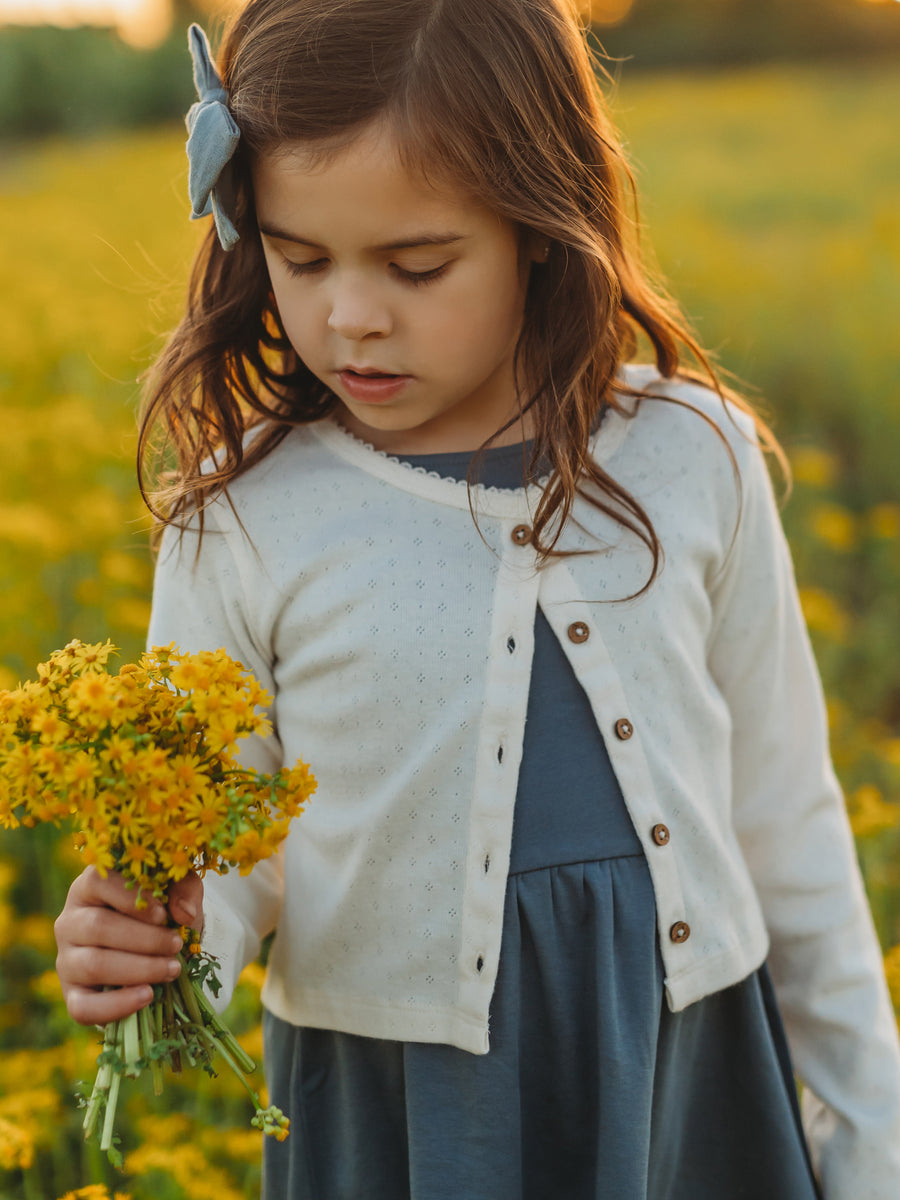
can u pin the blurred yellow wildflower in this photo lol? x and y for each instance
(30, 526)
(813, 466)
(188, 1166)
(870, 813)
(95, 1191)
(892, 971)
(47, 986)
(834, 525)
(16, 1146)
(253, 975)
(242, 1145)
(132, 570)
(823, 613)
(883, 521)
(36, 930)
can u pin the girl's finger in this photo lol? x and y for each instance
(92, 888)
(96, 926)
(86, 967)
(186, 901)
(90, 1007)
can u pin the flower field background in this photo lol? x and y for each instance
(772, 198)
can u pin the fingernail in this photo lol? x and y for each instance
(173, 968)
(158, 915)
(190, 911)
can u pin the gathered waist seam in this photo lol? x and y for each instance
(578, 862)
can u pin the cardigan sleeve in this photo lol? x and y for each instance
(198, 603)
(791, 821)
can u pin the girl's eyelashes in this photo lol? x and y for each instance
(415, 278)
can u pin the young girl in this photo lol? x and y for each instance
(527, 608)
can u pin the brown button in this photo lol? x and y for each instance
(680, 931)
(624, 729)
(660, 834)
(578, 632)
(521, 535)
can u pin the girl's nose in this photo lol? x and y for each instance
(357, 312)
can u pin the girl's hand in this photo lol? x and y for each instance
(104, 942)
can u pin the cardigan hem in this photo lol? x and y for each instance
(375, 1020)
(716, 973)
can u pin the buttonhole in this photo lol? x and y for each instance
(511, 644)
(479, 964)
(487, 863)
(499, 754)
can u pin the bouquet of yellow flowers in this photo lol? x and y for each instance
(142, 765)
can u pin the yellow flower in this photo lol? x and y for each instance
(16, 1146)
(50, 727)
(93, 696)
(813, 466)
(823, 613)
(835, 526)
(47, 986)
(870, 813)
(188, 1166)
(883, 521)
(892, 972)
(78, 655)
(253, 975)
(95, 1191)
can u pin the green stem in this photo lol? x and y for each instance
(222, 1034)
(131, 1045)
(102, 1081)
(110, 1120)
(214, 1045)
(148, 1036)
(170, 1026)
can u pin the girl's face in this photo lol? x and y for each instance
(406, 302)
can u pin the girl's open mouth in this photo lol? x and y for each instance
(371, 387)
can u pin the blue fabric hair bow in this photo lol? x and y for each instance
(213, 137)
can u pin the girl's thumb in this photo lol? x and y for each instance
(186, 901)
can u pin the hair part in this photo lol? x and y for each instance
(500, 99)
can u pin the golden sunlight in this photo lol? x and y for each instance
(606, 12)
(143, 23)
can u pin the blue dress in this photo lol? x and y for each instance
(592, 1089)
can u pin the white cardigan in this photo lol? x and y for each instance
(397, 642)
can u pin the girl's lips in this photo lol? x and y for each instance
(372, 388)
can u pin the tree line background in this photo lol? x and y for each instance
(84, 80)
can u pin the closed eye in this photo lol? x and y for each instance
(304, 268)
(417, 278)
(414, 278)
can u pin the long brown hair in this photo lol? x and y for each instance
(499, 97)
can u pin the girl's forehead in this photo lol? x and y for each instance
(356, 184)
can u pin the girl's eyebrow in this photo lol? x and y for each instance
(420, 239)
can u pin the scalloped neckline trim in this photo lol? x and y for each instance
(486, 499)
(418, 469)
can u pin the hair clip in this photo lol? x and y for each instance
(213, 137)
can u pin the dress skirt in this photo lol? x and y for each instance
(592, 1089)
